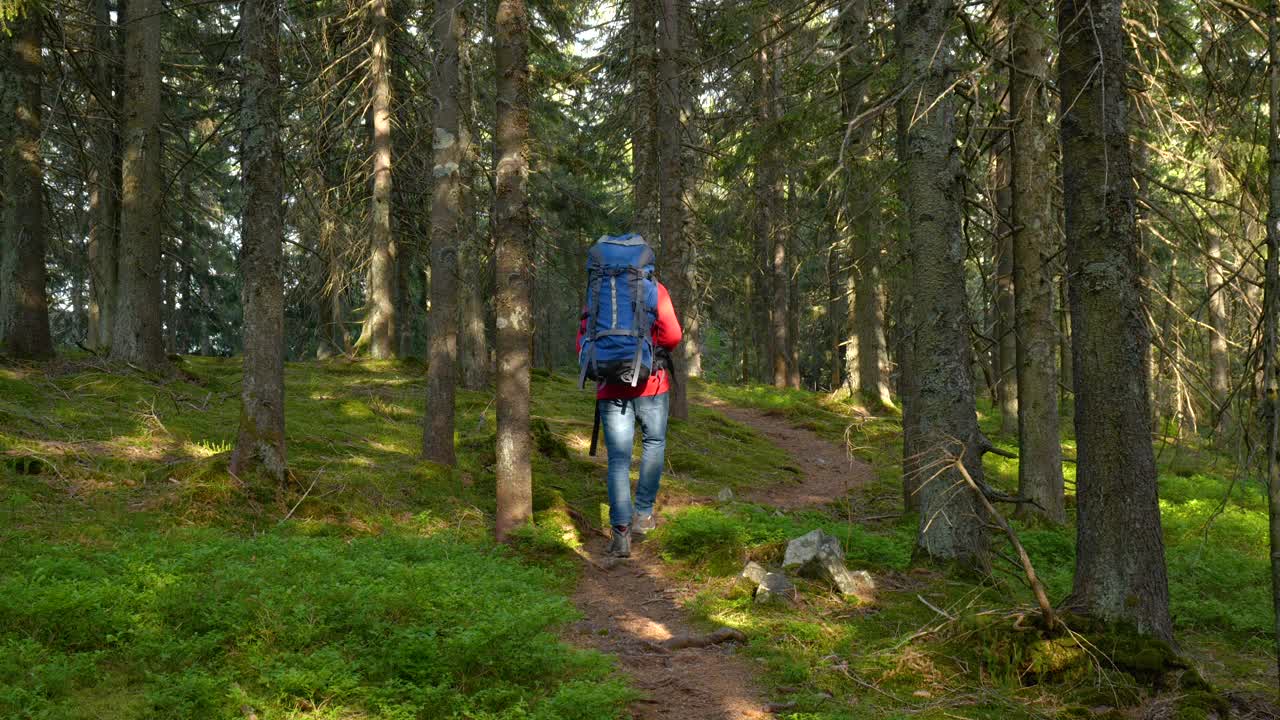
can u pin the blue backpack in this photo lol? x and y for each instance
(622, 305)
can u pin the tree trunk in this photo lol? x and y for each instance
(408, 195)
(260, 443)
(104, 190)
(690, 308)
(1120, 567)
(768, 192)
(24, 307)
(452, 143)
(512, 247)
(837, 303)
(1066, 375)
(379, 331)
(902, 286)
(137, 335)
(1040, 449)
(1215, 286)
(671, 185)
(477, 252)
(1006, 378)
(864, 342)
(644, 132)
(1271, 312)
(942, 413)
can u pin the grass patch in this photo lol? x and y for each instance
(139, 579)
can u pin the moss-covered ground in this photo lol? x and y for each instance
(940, 645)
(138, 579)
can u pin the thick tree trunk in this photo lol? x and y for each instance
(260, 443)
(380, 324)
(452, 143)
(104, 190)
(671, 156)
(512, 247)
(944, 423)
(1271, 312)
(1040, 449)
(137, 335)
(24, 308)
(1120, 567)
(644, 130)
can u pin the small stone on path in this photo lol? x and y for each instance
(775, 588)
(818, 555)
(725, 495)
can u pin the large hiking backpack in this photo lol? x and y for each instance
(622, 305)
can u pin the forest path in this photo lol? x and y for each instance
(630, 607)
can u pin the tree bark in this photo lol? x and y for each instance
(671, 185)
(865, 344)
(1040, 449)
(902, 282)
(1120, 566)
(644, 133)
(690, 308)
(452, 142)
(477, 252)
(380, 325)
(24, 307)
(942, 407)
(1215, 286)
(1271, 312)
(769, 235)
(260, 443)
(137, 335)
(104, 189)
(1006, 377)
(512, 247)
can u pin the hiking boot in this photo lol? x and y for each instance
(620, 546)
(643, 523)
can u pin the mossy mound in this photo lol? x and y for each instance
(1108, 665)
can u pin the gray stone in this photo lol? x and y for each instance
(775, 588)
(726, 495)
(754, 572)
(809, 547)
(818, 555)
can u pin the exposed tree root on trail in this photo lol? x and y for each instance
(631, 608)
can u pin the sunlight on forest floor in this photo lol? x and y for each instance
(139, 579)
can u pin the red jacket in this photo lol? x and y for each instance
(666, 334)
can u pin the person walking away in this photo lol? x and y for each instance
(621, 406)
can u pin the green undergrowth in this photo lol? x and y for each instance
(979, 654)
(139, 579)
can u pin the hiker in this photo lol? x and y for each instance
(625, 339)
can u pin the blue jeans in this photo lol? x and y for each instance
(618, 417)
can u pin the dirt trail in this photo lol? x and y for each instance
(630, 607)
(827, 472)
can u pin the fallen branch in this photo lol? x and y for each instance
(1042, 598)
(723, 635)
(936, 609)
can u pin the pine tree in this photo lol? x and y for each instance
(1120, 568)
(512, 246)
(260, 442)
